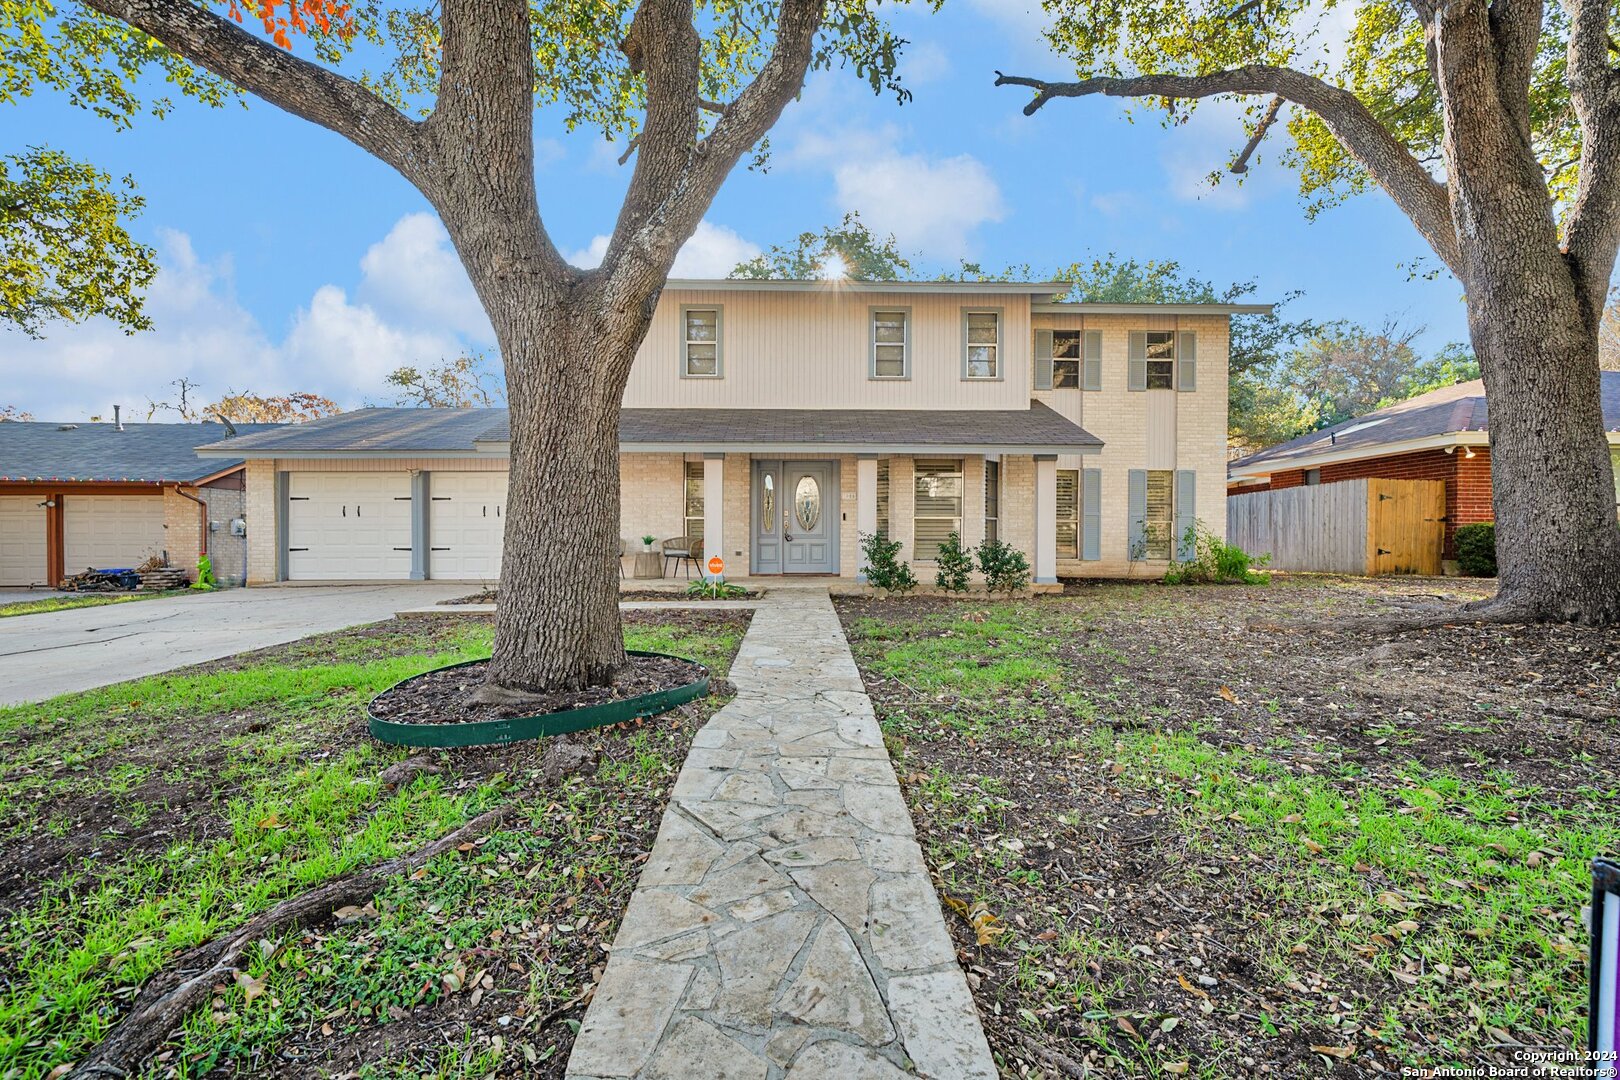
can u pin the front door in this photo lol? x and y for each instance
(796, 517)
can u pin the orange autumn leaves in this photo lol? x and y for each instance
(283, 18)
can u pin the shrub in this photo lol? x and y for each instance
(955, 564)
(884, 567)
(1214, 561)
(1004, 567)
(714, 589)
(205, 575)
(1476, 549)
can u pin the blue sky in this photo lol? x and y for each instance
(293, 261)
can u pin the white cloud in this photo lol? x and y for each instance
(923, 62)
(712, 252)
(414, 276)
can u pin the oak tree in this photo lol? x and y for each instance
(689, 87)
(1495, 126)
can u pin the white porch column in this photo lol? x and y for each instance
(1045, 519)
(714, 505)
(866, 469)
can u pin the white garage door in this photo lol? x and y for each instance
(466, 516)
(348, 526)
(104, 531)
(22, 540)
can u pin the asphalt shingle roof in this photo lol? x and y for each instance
(426, 431)
(1448, 410)
(148, 453)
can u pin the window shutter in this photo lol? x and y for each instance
(1091, 375)
(1187, 361)
(1137, 511)
(1138, 361)
(1186, 513)
(1043, 359)
(1091, 514)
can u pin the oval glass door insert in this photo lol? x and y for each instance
(807, 502)
(767, 509)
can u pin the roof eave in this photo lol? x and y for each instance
(1086, 308)
(1335, 455)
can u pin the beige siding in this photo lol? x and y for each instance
(808, 350)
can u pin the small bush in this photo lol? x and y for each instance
(1215, 562)
(1004, 567)
(955, 564)
(885, 569)
(715, 589)
(1476, 549)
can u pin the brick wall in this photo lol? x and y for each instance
(1467, 480)
(263, 558)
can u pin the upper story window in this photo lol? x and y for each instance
(1066, 359)
(700, 346)
(891, 343)
(982, 344)
(1161, 359)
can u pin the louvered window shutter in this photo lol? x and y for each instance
(1043, 359)
(1186, 514)
(1138, 361)
(1187, 361)
(1091, 514)
(1091, 376)
(1136, 510)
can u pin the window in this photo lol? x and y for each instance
(1313, 477)
(1161, 360)
(891, 344)
(700, 349)
(1161, 520)
(694, 500)
(1068, 513)
(883, 498)
(1066, 359)
(983, 344)
(938, 509)
(992, 498)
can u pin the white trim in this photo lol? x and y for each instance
(1312, 460)
(1150, 309)
(811, 449)
(1016, 288)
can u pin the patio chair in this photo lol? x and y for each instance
(684, 551)
(624, 550)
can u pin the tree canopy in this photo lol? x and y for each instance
(847, 250)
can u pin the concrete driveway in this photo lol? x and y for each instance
(63, 651)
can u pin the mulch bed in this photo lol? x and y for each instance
(446, 696)
(1261, 669)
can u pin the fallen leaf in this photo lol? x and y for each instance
(251, 987)
(1340, 1052)
(271, 822)
(1176, 1068)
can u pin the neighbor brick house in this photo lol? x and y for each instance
(104, 495)
(1441, 435)
(778, 421)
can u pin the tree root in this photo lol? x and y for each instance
(1061, 1062)
(169, 997)
(1401, 622)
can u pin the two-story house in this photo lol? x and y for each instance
(778, 421)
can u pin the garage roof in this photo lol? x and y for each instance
(460, 432)
(138, 453)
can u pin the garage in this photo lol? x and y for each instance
(344, 526)
(104, 531)
(466, 519)
(22, 540)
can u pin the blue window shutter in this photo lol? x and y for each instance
(1091, 375)
(1186, 513)
(1043, 359)
(1187, 361)
(1091, 514)
(1138, 362)
(1137, 511)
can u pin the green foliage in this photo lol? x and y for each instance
(1214, 562)
(884, 567)
(955, 563)
(205, 575)
(847, 250)
(1004, 567)
(64, 252)
(649, 540)
(1476, 549)
(716, 588)
(462, 383)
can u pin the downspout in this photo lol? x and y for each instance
(202, 519)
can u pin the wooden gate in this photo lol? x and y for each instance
(1406, 526)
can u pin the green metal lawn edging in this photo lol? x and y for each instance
(520, 728)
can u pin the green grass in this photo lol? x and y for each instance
(67, 603)
(296, 804)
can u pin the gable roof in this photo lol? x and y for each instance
(1451, 411)
(467, 432)
(140, 453)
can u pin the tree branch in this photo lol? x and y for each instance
(298, 86)
(1386, 159)
(1241, 165)
(1593, 232)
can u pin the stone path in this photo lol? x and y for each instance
(784, 927)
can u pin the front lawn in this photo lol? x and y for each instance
(79, 600)
(144, 818)
(1218, 834)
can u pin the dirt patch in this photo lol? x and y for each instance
(490, 596)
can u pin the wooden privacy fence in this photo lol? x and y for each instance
(1352, 527)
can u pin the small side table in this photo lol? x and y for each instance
(648, 564)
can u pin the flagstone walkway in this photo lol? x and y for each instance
(784, 927)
